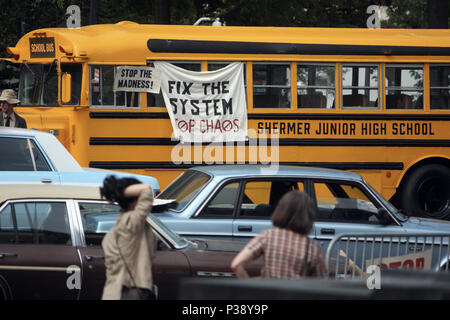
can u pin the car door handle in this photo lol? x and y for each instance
(46, 180)
(327, 231)
(7, 254)
(90, 258)
(245, 228)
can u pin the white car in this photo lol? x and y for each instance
(38, 157)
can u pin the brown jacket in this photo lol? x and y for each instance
(137, 245)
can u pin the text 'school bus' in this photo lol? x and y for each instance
(374, 101)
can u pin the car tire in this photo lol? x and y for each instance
(427, 192)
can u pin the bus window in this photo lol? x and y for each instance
(440, 86)
(271, 85)
(155, 100)
(39, 85)
(76, 73)
(192, 66)
(213, 66)
(316, 86)
(360, 86)
(404, 86)
(102, 93)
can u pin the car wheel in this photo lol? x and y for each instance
(427, 192)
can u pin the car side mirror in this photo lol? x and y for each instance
(384, 216)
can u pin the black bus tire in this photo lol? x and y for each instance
(427, 192)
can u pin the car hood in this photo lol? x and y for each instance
(428, 225)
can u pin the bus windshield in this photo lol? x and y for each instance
(39, 84)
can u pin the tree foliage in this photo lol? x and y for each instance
(21, 16)
(18, 17)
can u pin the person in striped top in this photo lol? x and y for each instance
(287, 249)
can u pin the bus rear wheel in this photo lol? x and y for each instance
(427, 192)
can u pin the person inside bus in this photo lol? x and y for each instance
(9, 118)
(288, 251)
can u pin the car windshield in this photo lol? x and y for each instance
(184, 188)
(174, 238)
(389, 205)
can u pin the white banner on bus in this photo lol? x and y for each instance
(137, 79)
(205, 106)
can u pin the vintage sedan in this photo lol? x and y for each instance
(237, 201)
(32, 156)
(50, 245)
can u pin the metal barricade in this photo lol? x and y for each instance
(350, 255)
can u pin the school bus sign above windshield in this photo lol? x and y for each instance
(42, 47)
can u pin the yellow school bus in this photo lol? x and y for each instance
(374, 101)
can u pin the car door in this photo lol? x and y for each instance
(23, 161)
(36, 251)
(346, 207)
(258, 199)
(95, 219)
(215, 219)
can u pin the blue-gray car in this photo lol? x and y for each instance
(32, 156)
(236, 202)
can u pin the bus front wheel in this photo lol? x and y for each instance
(427, 192)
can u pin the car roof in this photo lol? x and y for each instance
(230, 171)
(27, 191)
(22, 132)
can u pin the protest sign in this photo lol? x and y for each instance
(137, 79)
(418, 260)
(205, 106)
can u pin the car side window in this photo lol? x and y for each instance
(39, 159)
(44, 223)
(223, 203)
(20, 154)
(97, 218)
(338, 201)
(261, 197)
(15, 155)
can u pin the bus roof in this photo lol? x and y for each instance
(130, 41)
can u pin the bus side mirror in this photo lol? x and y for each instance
(66, 87)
